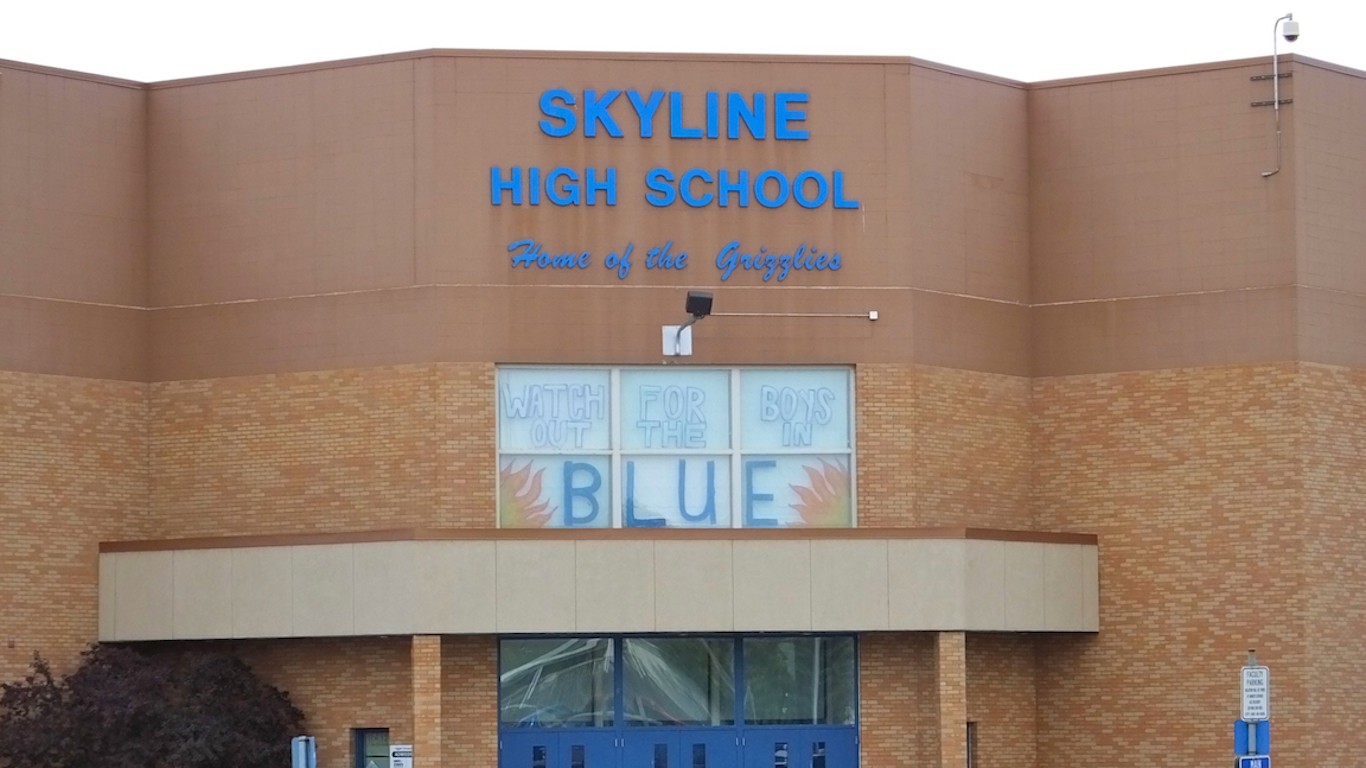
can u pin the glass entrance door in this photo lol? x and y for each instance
(678, 702)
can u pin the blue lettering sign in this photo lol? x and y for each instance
(645, 110)
(561, 186)
(708, 513)
(532, 254)
(752, 520)
(659, 182)
(726, 189)
(762, 187)
(555, 104)
(587, 493)
(840, 200)
(751, 115)
(685, 188)
(595, 113)
(621, 262)
(631, 520)
(700, 187)
(661, 258)
(799, 189)
(771, 265)
(676, 128)
(784, 114)
(744, 115)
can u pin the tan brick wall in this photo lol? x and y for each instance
(1335, 487)
(470, 701)
(358, 449)
(428, 677)
(413, 445)
(942, 447)
(898, 707)
(1001, 698)
(73, 471)
(951, 683)
(1193, 480)
(340, 684)
(1224, 499)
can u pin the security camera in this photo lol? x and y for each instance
(1291, 30)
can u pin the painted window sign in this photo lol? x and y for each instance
(672, 409)
(688, 492)
(560, 410)
(595, 447)
(795, 409)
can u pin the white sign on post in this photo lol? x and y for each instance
(400, 756)
(1256, 694)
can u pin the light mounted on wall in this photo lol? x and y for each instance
(1291, 31)
(678, 338)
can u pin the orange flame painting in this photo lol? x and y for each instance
(826, 502)
(519, 498)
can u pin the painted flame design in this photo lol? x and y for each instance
(826, 501)
(519, 498)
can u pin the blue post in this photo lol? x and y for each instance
(304, 752)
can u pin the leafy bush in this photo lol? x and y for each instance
(123, 709)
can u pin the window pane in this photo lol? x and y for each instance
(372, 748)
(554, 492)
(678, 681)
(786, 491)
(675, 410)
(676, 491)
(789, 408)
(554, 409)
(799, 681)
(555, 682)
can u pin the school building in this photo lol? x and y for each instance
(550, 410)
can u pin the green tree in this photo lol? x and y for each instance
(124, 709)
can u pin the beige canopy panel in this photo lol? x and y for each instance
(479, 582)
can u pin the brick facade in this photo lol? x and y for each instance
(919, 426)
(347, 450)
(73, 458)
(1194, 479)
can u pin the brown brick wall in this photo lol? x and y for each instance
(357, 449)
(73, 471)
(942, 447)
(1193, 480)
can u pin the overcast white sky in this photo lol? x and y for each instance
(152, 40)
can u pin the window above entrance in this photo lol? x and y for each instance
(670, 447)
(684, 682)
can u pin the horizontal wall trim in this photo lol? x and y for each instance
(547, 584)
(610, 534)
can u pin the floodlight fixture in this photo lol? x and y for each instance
(698, 304)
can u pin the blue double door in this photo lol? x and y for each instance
(677, 747)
